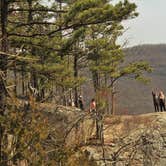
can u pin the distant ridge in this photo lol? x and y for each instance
(134, 97)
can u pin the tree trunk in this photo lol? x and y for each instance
(113, 101)
(3, 57)
(23, 80)
(76, 76)
(3, 67)
(34, 80)
(96, 76)
(15, 80)
(106, 93)
(95, 80)
(30, 18)
(64, 100)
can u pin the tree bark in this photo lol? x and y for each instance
(15, 80)
(3, 57)
(76, 76)
(30, 18)
(3, 67)
(113, 101)
(23, 80)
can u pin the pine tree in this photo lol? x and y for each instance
(108, 61)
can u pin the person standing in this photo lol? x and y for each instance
(93, 106)
(162, 101)
(155, 101)
(80, 102)
(71, 102)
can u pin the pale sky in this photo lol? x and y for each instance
(150, 26)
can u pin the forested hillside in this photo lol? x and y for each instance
(134, 97)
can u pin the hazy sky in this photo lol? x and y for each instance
(150, 25)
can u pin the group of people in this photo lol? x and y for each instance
(80, 103)
(92, 106)
(159, 101)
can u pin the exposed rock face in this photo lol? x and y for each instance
(127, 140)
(138, 140)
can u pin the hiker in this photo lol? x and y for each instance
(97, 120)
(162, 101)
(71, 102)
(80, 103)
(93, 106)
(155, 101)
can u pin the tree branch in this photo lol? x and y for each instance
(72, 26)
(19, 24)
(36, 10)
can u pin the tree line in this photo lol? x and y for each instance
(52, 44)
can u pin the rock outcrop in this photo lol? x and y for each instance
(138, 140)
(127, 140)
